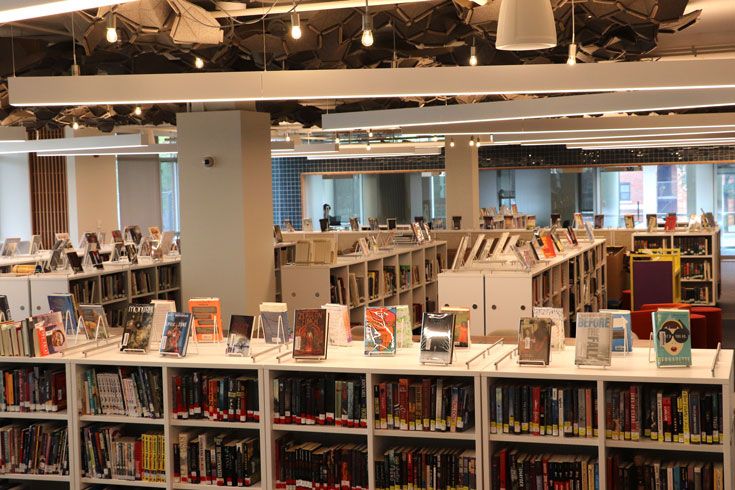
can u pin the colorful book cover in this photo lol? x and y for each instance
(380, 331)
(404, 327)
(534, 341)
(52, 335)
(670, 223)
(437, 338)
(621, 325)
(672, 338)
(238, 336)
(599, 221)
(461, 325)
(137, 329)
(338, 317)
(548, 248)
(310, 334)
(629, 221)
(594, 339)
(558, 330)
(274, 321)
(64, 304)
(92, 317)
(207, 322)
(578, 221)
(175, 337)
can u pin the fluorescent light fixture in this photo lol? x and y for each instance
(12, 134)
(70, 144)
(156, 149)
(559, 139)
(386, 82)
(645, 140)
(659, 144)
(14, 10)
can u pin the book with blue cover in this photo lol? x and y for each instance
(64, 304)
(176, 332)
(621, 327)
(672, 338)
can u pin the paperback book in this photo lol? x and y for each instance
(599, 221)
(437, 338)
(310, 337)
(161, 309)
(404, 327)
(238, 336)
(594, 339)
(4, 308)
(534, 341)
(94, 321)
(461, 325)
(64, 303)
(672, 338)
(629, 221)
(558, 331)
(621, 328)
(380, 331)
(137, 328)
(50, 333)
(176, 332)
(274, 322)
(207, 321)
(338, 317)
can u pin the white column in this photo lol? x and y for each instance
(226, 210)
(15, 196)
(139, 183)
(462, 182)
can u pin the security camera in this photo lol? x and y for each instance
(208, 162)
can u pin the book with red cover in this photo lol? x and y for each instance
(310, 334)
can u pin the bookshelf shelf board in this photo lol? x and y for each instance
(143, 295)
(695, 256)
(120, 419)
(168, 290)
(52, 359)
(126, 483)
(116, 300)
(467, 435)
(34, 477)
(62, 415)
(665, 446)
(558, 440)
(324, 429)
(684, 279)
(219, 424)
(198, 486)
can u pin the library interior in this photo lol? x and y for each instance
(367, 244)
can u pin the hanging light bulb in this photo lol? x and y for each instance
(472, 141)
(370, 133)
(367, 28)
(473, 56)
(295, 25)
(111, 31)
(288, 137)
(199, 63)
(336, 139)
(138, 110)
(368, 147)
(572, 60)
(435, 139)
(451, 143)
(75, 125)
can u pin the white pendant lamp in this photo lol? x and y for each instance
(525, 25)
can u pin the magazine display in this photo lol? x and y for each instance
(338, 317)
(176, 331)
(594, 339)
(310, 337)
(558, 330)
(461, 325)
(380, 331)
(534, 341)
(274, 322)
(238, 336)
(207, 316)
(94, 321)
(50, 333)
(137, 329)
(621, 328)
(437, 338)
(64, 303)
(672, 338)
(404, 327)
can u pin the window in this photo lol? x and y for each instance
(169, 192)
(625, 191)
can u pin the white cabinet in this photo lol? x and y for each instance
(508, 297)
(18, 293)
(42, 287)
(466, 291)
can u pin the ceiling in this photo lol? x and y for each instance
(165, 36)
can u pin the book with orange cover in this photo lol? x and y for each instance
(548, 247)
(207, 313)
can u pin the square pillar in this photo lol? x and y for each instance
(462, 182)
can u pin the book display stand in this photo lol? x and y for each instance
(282, 341)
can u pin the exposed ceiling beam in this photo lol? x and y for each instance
(572, 105)
(370, 83)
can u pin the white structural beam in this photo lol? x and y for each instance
(558, 139)
(72, 144)
(156, 149)
(14, 10)
(370, 83)
(572, 105)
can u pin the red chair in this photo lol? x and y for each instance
(714, 324)
(641, 323)
(625, 300)
(699, 328)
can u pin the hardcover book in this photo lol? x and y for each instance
(599, 221)
(380, 331)
(672, 338)
(4, 308)
(534, 341)
(629, 221)
(277, 234)
(338, 317)
(556, 315)
(437, 338)
(50, 332)
(274, 322)
(137, 328)
(461, 325)
(64, 303)
(161, 309)
(594, 339)
(404, 327)
(207, 322)
(133, 232)
(92, 317)
(621, 324)
(238, 336)
(75, 261)
(9, 247)
(670, 222)
(310, 336)
(578, 221)
(176, 331)
(651, 222)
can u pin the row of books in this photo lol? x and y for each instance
(323, 400)
(685, 416)
(84, 290)
(337, 293)
(430, 404)
(435, 468)
(389, 281)
(114, 286)
(340, 466)
(167, 277)
(39, 336)
(357, 289)
(511, 468)
(544, 410)
(373, 278)
(696, 294)
(206, 395)
(697, 269)
(142, 282)
(222, 459)
(644, 473)
(650, 243)
(37, 449)
(429, 270)
(129, 391)
(692, 245)
(108, 453)
(33, 389)
(404, 276)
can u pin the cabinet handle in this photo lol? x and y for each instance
(474, 306)
(22, 308)
(494, 307)
(523, 307)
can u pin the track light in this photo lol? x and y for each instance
(111, 31)
(138, 110)
(472, 141)
(451, 143)
(473, 56)
(295, 25)
(367, 30)
(199, 63)
(75, 125)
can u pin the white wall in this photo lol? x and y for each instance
(317, 191)
(15, 196)
(489, 189)
(139, 184)
(533, 193)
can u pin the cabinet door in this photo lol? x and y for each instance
(507, 299)
(467, 290)
(41, 287)
(19, 300)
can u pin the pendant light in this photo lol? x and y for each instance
(472, 141)
(111, 31)
(525, 25)
(473, 55)
(138, 110)
(367, 28)
(198, 63)
(572, 59)
(451, 143)
(295, 25)
(75, 125)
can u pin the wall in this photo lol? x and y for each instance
(139, 183)
(532, 194)
(489, 189)
(15, 201)
(92, 190)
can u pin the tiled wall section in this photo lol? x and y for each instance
(287, 171)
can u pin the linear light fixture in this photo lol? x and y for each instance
(73, 144)
(14, 10)
(645, 140)
(558, 139)
(659, 144)
(378, 83)
(156, 149)
(572, 105)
